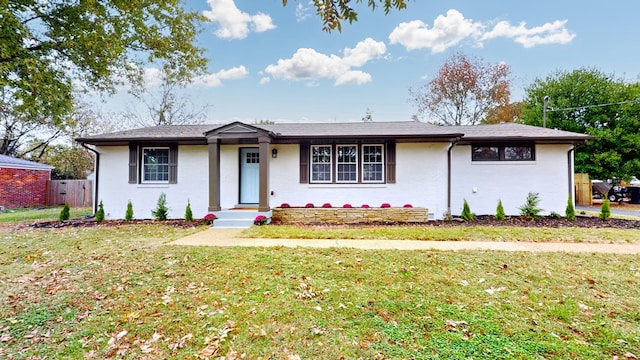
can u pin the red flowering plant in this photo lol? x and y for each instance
(347, 206)
(260, 220)
(326, 205)
(285, 205)
(365, 206)
(385, 205)
(208, 219)
(407, 206)
(309, 205)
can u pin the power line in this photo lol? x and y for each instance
(549, 108)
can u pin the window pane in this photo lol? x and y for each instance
(155, 165)
(372, 163)
(485, 153)
(518, 153)
(347, 163)
(321, 163)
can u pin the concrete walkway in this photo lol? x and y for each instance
(230, 237)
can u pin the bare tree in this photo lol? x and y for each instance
(165, 107)
(463, 92)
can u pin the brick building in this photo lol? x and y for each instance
(23, 183)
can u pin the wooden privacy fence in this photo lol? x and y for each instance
(583, 189)
(76, 193)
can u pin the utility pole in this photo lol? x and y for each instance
(544, 111)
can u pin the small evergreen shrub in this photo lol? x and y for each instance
(188, 214)
(500, 211)
(605, 210)
(554, 215)
(64, 214)
(530, 209)
(467, 215)
(570, 211)
(100, 212)
(161, 211)
(128, 215)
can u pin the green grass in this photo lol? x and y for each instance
(451, 233)
(118, 292)
(48, 213)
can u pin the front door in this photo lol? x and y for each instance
(249, 175)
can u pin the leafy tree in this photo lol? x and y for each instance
(128, 215)
(47, 46)
(463, 92)
(161, 212)
(591, 102)
(467, 215)
(500, 215)
(334, 12)
(570, 211)
(605, 210)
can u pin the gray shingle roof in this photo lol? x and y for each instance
(400, 129)
(11, 162)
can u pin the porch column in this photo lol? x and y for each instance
(214, 173)
(265, 156)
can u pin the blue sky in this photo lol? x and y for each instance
(269, 62)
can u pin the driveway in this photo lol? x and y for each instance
(230, 237)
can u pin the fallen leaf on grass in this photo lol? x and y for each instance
(182, 342)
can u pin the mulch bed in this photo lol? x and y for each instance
(485, 220)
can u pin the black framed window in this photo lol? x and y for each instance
(510, 152)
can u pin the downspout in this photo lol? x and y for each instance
(453, 143)
(570, 171)
(97, 171)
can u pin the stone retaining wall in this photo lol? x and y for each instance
(349, 215)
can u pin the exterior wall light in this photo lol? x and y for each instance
(274, 153)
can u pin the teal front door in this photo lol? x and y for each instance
(249, 175)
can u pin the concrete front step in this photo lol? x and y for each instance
(236, 218)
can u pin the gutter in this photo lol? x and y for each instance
(97, 171)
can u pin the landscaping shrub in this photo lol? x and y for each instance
(326, 205)
(407, 206)
(385, 205)
(570, 211)
(260, 220)
(128, 215)
(100, 212)
(188, 214)
(208, 219)
(365, 206)
(554, 215)
(605, 210)
(64, 214)
(161, 211)
(309, 205)
(285, 205)
(347, 206)
(500, 215)
(530, 209)
(467, 215)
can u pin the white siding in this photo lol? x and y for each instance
(483, 183)
(115, 191)
(421, 173)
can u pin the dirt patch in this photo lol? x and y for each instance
(91, 223)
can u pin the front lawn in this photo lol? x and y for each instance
(117, 292)
(449, 233)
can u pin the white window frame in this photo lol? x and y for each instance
(312, 163)
(338, 163)
(144, 164)
(381, 163)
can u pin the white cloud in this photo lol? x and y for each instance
(215, 79)
(265, 80)
(234, 23)
(308, 64)
(302, 12)
(152, 77)
(451, 29)
(447, 31)
(549, 33)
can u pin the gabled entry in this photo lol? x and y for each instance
(249, 175)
